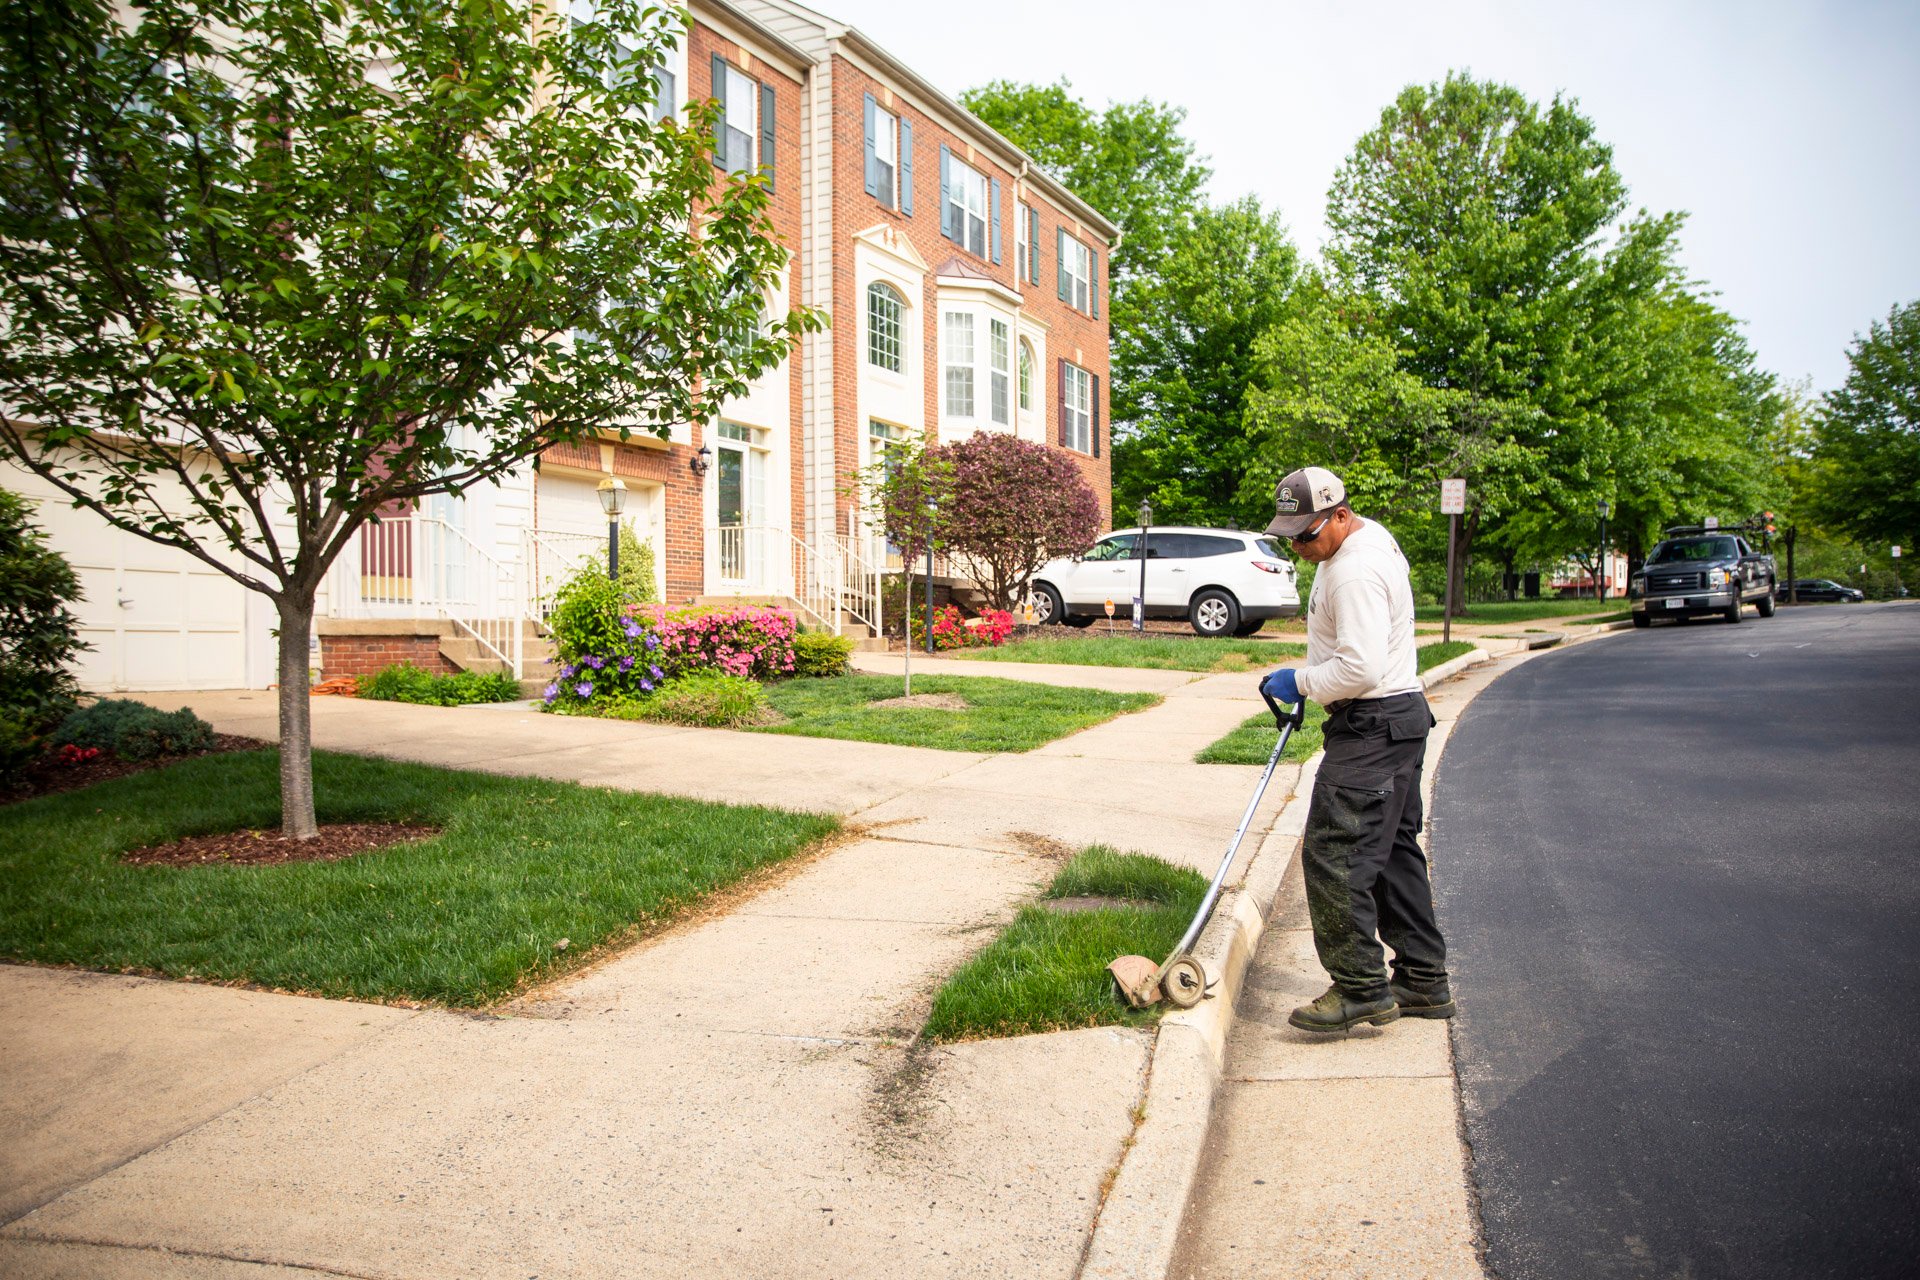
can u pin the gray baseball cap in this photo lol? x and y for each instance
(1303, 497)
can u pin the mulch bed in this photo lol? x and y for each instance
(270, 848)
(50, 775)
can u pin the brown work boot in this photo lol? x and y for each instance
(1336, 1011)
(1430, 1002)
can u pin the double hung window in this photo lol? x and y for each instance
(738, 123)
(956, 358)
(1076, 408)
(886, 154)
(999, 362)
(1076, 268)
(885, 309)
(967, 206)
(1026, 376)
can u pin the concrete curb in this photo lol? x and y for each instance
(1138, 1228)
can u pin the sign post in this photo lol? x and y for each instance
(1453, 501)
(1109, 615)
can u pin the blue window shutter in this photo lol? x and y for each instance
(906, 166)
(720, 126)
(1093, 283)
(1060, 265)
(873, 162)
(1065, 438)
(993, 209)
(719, 94)
(766, 132)
(946, 192)
(1093, 411)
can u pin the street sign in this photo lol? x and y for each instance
(1896, 552)
(1139, 615)
(1453, 497)
(1711, 522)
(1109, 608)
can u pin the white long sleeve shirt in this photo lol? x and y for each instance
(1360, 622)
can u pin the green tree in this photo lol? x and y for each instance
(1189, 360)
(1868, 436)
(272, 269)
(1476, 233)
(39, 637)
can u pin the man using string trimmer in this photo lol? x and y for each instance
(1362, 859)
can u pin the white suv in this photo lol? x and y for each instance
(1223, 581)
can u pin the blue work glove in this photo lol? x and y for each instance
(1281, 687)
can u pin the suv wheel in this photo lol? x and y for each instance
(1047, 605)
(1250, 627)
(1214, 613)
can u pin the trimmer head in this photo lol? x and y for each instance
(1137, 979)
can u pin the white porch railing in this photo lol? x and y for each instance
(413, 566)
(551, 557)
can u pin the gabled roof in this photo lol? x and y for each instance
(822, 37)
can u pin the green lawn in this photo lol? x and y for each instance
(1503, 612)
(1001, 715)
(1160, 652)
(462, 919)
(1252, 742)
(1048, 970)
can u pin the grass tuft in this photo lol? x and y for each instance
(462, 919)
(1001, 715)
(1502, 612)
(1048, 970)
(1155, 651)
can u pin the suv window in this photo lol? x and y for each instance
(1271, 547)
(1201, 545)
(1118, 547)
(1686, 550)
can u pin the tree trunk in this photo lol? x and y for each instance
(296, 718)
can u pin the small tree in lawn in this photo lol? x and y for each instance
(39, 637)
(907, 492)
(269, 269)
(1010, 506)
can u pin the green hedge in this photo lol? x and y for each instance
(129, 730)
(404, 682)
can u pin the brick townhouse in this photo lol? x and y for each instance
(966, 292)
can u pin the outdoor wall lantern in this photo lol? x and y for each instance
(700, 461)
(613, 498)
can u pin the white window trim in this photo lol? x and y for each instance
(968, 362)
(886, 138)
(1000, 371)
(1079, 269)
(747, 100)
(1026, 365)
(867, 362)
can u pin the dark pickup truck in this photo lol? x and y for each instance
(1697, 571)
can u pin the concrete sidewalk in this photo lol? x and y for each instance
(739, 1096)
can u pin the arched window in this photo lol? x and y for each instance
(1026, 376)
(885, 307)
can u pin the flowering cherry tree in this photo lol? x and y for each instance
(1011, 505)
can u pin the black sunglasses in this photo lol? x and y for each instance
(1308, 535)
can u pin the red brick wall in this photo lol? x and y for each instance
(364, 655)
(1075, 335)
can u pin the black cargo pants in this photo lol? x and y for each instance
(1362, 859)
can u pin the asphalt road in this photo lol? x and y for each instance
(1679, 873)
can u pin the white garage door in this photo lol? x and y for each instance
(156, 618)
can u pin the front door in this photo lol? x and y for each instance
(741, 465)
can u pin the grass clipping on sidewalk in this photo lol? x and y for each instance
(527, 878)
(1048, 970)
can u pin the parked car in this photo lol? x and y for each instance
(1222, 581)
(1817, 589)
(1696, 571)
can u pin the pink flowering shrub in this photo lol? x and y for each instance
(649, 645)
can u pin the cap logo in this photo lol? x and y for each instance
(1326, 495)
(1286, 501)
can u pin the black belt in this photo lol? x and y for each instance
(1344, 703)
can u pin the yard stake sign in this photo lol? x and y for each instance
(1453, 501)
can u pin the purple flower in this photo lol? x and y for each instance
(646, 686)
(584, 688)
(566, 672)
(552, 691)
(653, 641)
(626, 664)
(631, 627)
(655, 672)
(595, 661)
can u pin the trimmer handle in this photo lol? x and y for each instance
(1281, 719)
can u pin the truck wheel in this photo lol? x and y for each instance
(1766, 604)
(1214, 613)
(1733, 610)
(1642, 620)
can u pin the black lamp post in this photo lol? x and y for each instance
(1601, 576)
(1146, 519)
(613, 497)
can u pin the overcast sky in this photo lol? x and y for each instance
(1788, 132)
